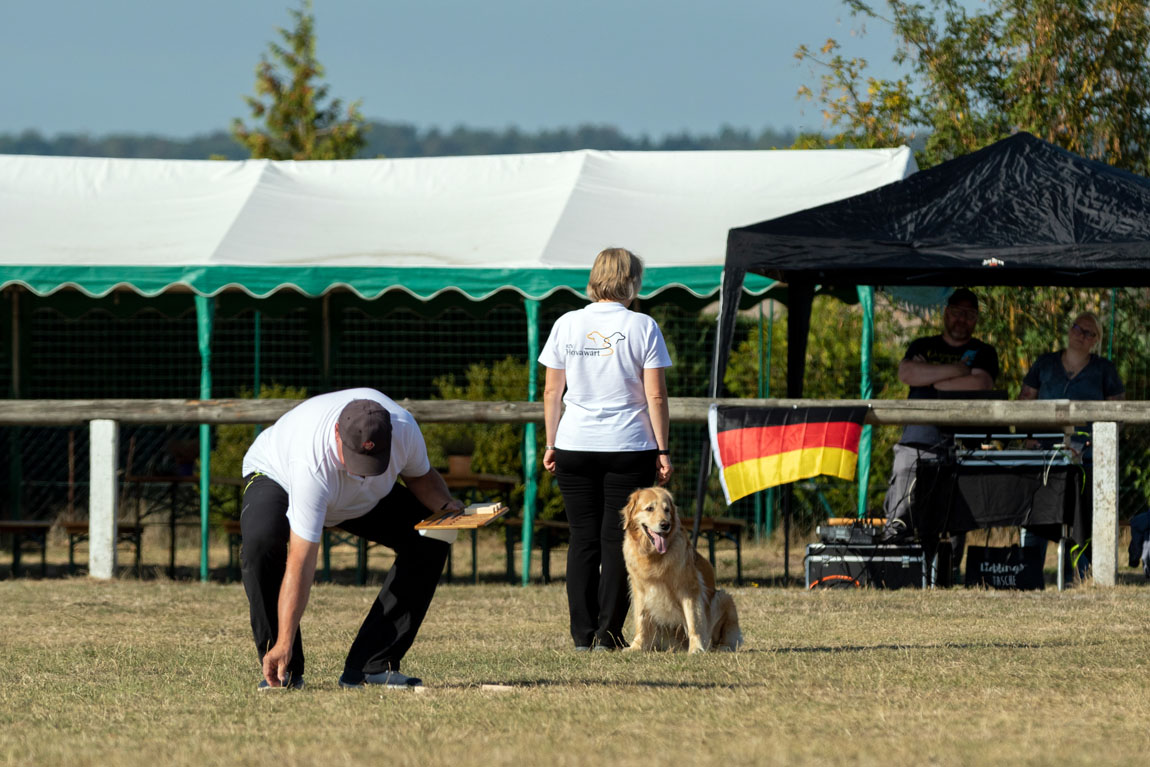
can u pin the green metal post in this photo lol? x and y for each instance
(759, 496)
(204, 307)
(1113, 316)
(866, 391)
(256, 383)
(530, 470)
(770, 515)
(15, 446)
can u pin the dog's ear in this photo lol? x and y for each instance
(628, 511)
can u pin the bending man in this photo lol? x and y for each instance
(333, 461)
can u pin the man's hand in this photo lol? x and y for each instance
(294, 591)
(276, 664)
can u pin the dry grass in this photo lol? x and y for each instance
(162, 672)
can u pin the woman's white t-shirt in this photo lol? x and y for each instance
(603, 349)
(299, 452)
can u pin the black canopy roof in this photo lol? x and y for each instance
(1019, 212)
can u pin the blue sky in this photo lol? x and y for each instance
(646, 66)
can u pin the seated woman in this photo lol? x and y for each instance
(1077, 373)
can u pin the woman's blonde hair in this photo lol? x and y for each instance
(1097, 325)
(616, 275)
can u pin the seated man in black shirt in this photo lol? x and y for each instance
(953, 361)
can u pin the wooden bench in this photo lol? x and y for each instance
(727, 528)
(126, 532)
(24, 532)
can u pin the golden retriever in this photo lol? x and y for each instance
(672, 586)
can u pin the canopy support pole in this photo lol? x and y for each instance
(801, 298)
(765, 518)
(15, 434)
(530, 469)
(866, 391)
(762, 366)
(730, 289)
(257, 341)
(204, 307)
(770, 521)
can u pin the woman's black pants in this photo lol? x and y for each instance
(595, 487)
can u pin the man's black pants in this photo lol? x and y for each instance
(595, 487)
(394, 619)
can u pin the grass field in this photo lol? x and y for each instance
(159, 672)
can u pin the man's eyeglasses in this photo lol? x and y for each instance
(1083, 331)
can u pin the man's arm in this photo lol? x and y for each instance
(432, 491)
(975, 380)
(294, 592)
(917, 372)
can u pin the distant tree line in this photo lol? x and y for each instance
(397, 140)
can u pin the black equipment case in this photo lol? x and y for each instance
(881, 566)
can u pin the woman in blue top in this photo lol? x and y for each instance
(1077, 373)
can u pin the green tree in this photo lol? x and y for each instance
(296, 125)
(1073, 72)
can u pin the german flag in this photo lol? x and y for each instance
(760, 447)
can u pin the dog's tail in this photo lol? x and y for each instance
(727, 634)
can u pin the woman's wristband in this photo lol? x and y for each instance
(663, 452)
(548, 447)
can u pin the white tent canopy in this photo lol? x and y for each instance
(531, 223)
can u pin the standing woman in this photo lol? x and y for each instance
(1078, 373)
(610, 440)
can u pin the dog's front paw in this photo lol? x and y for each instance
(633, 647)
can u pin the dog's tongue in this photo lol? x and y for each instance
(659, 541)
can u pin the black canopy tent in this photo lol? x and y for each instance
(1019, 212)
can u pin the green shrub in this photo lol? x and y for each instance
(498, 448)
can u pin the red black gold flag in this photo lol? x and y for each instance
(760, 447)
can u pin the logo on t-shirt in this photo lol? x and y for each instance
(600, 345)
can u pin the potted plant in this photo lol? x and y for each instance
(458, 448)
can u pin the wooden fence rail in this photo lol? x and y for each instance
(1044, 414)
(105, 416)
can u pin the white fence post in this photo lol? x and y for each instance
(1104, 535)
(102, 512)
